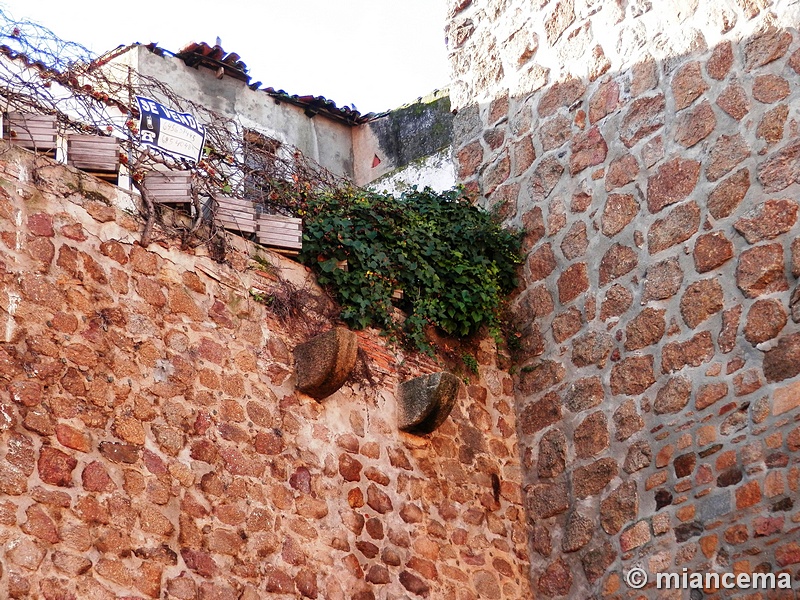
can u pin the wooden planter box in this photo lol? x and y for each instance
(282, 233)
(170, 187)
(35, 132)
(235, 214)
(95, 154)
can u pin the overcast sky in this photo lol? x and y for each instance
(376, 54)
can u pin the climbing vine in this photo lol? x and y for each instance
(438, 258)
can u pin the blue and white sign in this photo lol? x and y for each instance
(169, 131)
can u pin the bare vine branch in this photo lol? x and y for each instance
(89, 94)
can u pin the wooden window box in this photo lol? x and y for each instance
(282, 233)
(235, 214)
(95, 154)
(170, 187)
(35, 132)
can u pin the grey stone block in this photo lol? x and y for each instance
(423, 403)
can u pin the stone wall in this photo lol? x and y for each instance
(650, 151)
(153, 445)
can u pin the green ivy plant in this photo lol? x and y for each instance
(452, 261)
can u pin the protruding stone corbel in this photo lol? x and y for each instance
(324, 363)
(423, 403)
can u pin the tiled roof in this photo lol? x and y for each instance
(215, 58)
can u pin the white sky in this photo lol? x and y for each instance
(376, 54)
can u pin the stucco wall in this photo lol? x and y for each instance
(324, 140)
(650, 152)
(153, 444)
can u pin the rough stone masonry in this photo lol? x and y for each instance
(651, 153)
(153, 443)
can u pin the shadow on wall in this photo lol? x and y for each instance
(656, 390)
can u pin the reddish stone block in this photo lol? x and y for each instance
(767, 220)
(765, 47)
(783, 360)
(760, 271)
(647, 328)
(73, 438)
(769, 89)
(695, 125)
(645, 116)
(616, 302)
(728, 152)
(546, 500)
(636, 536)
(781, 169)
(545, 177)
(687, 85)
(523, 155)
(575, 241)
(721, 61)
(619, 260)
(41, 225)
(587, 149)
(560, 94)
(701, 300)
(748, 495)
(542, 262)
(55, 467)
(673, 396)
(620, 209)
(765, 320)
(788, 554)
(604, 101)
(770, 129)
(711, 250)
(673, 182)
(495, 173)
(693, 352)
(710, 393)
(734, 101)
(632, 376)
(724, 199)
(567, 324)
(555, 132)
(678, 226)
(538, 415)
(591, 436)
(573, 282)
(556, 579)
